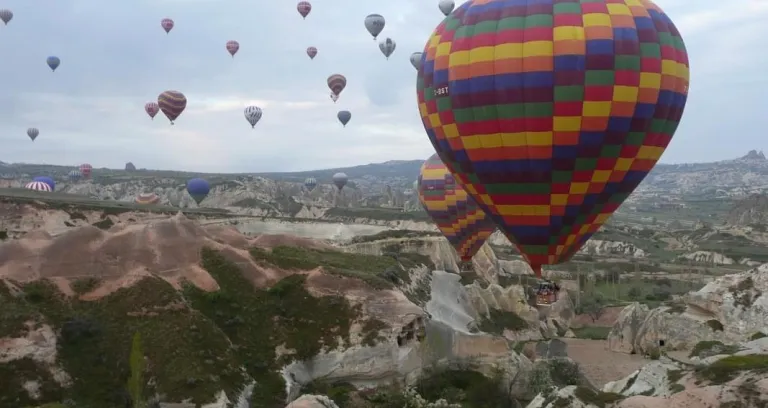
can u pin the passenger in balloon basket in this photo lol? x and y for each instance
(466, 266)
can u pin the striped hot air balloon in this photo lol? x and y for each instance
(38, 186)
(85, 170)
(75, 175)
(147, 198)
(454, 211)
(172, 103)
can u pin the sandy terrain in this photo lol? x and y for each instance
(601, 365)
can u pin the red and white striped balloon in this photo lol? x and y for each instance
(38, 186)
(167, 25)
(233, 47)
(304, 8)
(85, 170)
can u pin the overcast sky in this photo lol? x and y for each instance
(116, 57)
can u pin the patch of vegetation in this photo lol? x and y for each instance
(394, 234)
(592, 332)
(757, 336)
(715, 325)
(674, 376)
(597, 398)
(252, 203)
(676, 308)
(258, 321)
(84, 285)
(94, 342)
(380, 272)
(15, 313)
(15, 373)
(3, 235)
(76, 215)
(675, 388)
(708, 348)
(728, 368)
(468, 388)
(500, 320)
(742, 292)
(373, 213)
(338, 392)
(104, 224)
(371, 332)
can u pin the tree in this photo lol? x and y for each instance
(634, 293)
(136, 381)
(594, 306)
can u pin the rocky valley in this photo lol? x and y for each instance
(266, 295)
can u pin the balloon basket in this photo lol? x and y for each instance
(466, 266)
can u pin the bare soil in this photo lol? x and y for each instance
(601, 365)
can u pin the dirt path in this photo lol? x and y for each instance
(599, 364)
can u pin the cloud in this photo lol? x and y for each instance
(115, 58)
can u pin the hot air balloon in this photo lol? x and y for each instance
(6, 16)
(340, 180)
(33, 133)
(233, 47)
(198, 189)
(304, 8)
(253, 115)
(85, 170)
(456, 214)
(53, 62)
(47, 180)
(312, 52)
(416, 60)
(75, 175)
(310, 183)
(167, 25)
(172, 103)
(551, 136)
(374, 23)
(344, 117)
(38, 186)
(152, 108)
(336, 83)
(387, 47)
(446, 6)
(147, 198)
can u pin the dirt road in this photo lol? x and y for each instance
(599, 364)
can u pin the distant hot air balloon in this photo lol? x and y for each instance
(198, 189)
(253, 115)
(312, 52)
(152, 108)
(550, 155)
(38, 186)
(53, 62)
(130, 166)
(456, 214)
(33, 133)
(85, 170)
(336, 83)
(387, 47)
(233, 47)
(446, 6)
(6, 16)
(147, 198)
(310, 183)
(167, 25)
(75, 175)
(416, 60)
(374, 23)
(172, 103)
(344, 117)
(304, 8)
(47, 180)
(340, 180)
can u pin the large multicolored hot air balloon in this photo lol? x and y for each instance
(33, 133)
(312, 52)
(86, 170)
(416, 60)
(550, 114)
(147, 198)
(6, 16)
(310, 183)
(446, 6)
(172, 103)
(47, 180)
(456, 214)
(152, 108)
(53, 62)
(336, 83)
(344, 117)
(253, 115)
(233, 47)
(387, 47)
(38, 186)
(304, 8)
(75, 175)
(198, 189)
(340, 180)
(374, 23)
(167, 24)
